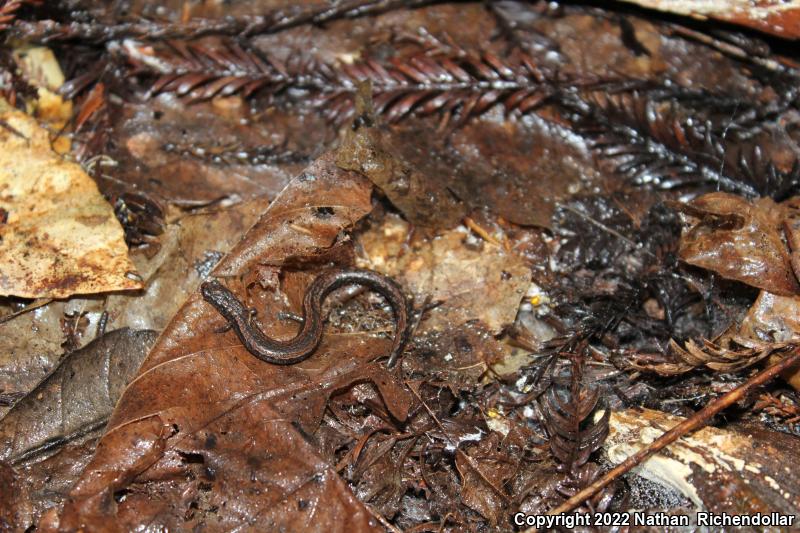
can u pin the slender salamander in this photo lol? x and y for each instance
(306, 341)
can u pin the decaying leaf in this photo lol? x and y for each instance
(307, 216)
(40, 66)
(201, 400)
(772, 318)
(459, 355)
(215, 151)
(59, 236)
(469, 278)
(40, 485)
(189, 248)
(484, 472)
(369, 150)
(740, 240)
(192, 244)
(435, 180)
(14, 507)
(728, 355)
(791, 225)
(753, 470)
(78, 394)
(775, 319)
(772, 16)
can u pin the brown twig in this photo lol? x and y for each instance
(696, 421)
(43, 31)
(453, 442)
(9, 8)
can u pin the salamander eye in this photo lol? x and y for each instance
(212, 289)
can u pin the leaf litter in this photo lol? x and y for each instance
(589, 224)
(59, 236)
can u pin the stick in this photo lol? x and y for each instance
(696, 421)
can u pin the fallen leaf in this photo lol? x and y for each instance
(458, 356)
(14, 507)
(485, 467)
(212, 150)
(40, 66)
(751, 468)
(777, 17)
(775, 319)
(60, 237)
(79, 393)
(42, 484)
(191, 245)
(772, 318)
(791, 225)
(418, 193)
(307, 216)
(740, 240)
(470, 279)
(185, 428)
(434, 182)
(30, 346)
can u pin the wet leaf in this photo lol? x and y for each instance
(792, 228)
(775, 319)
(778, 18)
(78, 395)
(13, 506)
(201, 400)
(198, 155)
(772, 319)
(416, 192)
(459, 356)
(484, 469)
(468, 278)
(749, 466)
(42, 482)
(740, 240)
(191, 245)
(51, 204)
(304, 220)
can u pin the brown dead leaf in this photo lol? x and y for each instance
(209, 151)
(304, 220)
(775, 319)
(434, 182)
(192, 244)
(40, 484)
(778, 17)
(470, 278)
(772, 318)
(740, 240)
(30, 346)
(458, 356)
(189, 248)
(791, 225)
(14, 507)
(750, 470)
(79, 393)
(40, 66)
(374, 151)
(60, 237)
(209, 436)
(484, 469)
